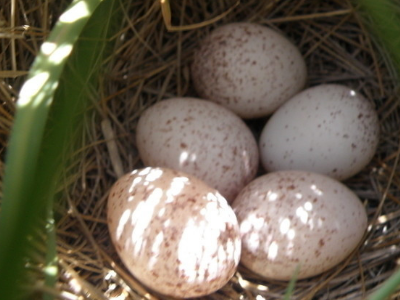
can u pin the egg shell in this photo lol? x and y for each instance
(329, 129)
(296, 218)
(248, 68)
(200, 138)
(174, 233)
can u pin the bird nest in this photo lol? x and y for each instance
(151, 63)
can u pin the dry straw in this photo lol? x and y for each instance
(150, 63)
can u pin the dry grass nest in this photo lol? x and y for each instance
(150, 64)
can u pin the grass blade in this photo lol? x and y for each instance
(292, 283)
(388, 288)
(51, 269)
(40, 131)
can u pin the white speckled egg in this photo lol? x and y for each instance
(248, 68)
(174, 233)
(329, 129)
(296, 218)
(200, 138)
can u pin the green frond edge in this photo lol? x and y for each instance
(50, 107)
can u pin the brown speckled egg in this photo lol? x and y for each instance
(200, 138)
(329, 129)
(296, 218)
(248, 68)
(174, 233)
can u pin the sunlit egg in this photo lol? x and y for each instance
(314, 222)
(175, 234)
(200, 138)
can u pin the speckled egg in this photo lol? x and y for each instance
(296, 218)
(248, 68)
(173, 232)
(201, 138)
(329, 129)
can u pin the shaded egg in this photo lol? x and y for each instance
(200, 138)
(249, 68)
(174, 233)
(329, 129)
(291, 219)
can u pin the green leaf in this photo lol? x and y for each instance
(51, 267)
(50, 110)
(383, 18)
